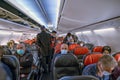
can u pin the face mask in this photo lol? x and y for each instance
(20, 51)
(63, 51)
(81, 44)
(106, 73)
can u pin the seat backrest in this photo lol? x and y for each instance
(73, 46)
(81, 50)
(5, 73)
(83, 77)
(92, 58)
(89, 46)
(65, 65)
(98, 49)
(117, 57)
(13, 63)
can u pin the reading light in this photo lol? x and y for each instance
(4, 32)
(78, 33)
(103, 30)
(62, 34)
(86, 32)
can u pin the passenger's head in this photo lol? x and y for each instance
(69, 34)
(2, 52)
(106, 64)
(54, 33)
(43, 28)
(64, 49)
(81, 43)
(106, 50)
(21, 49)
(12, 41)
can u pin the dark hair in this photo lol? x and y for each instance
(54, 32)
(42, 28)
(108, 48)
(69, 34)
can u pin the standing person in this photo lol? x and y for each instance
(44, 43)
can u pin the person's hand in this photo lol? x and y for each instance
(21, 67)
(100, 70)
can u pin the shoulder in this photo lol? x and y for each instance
(90, 69)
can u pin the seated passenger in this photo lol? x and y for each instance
(68, 39)
(25, 59)
(81, 43)
(106, 50)
(102, 69)
(12, 46)
(116, 72)
(64, 49)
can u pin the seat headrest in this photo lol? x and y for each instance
(73, 46)
(89, 46)
(81, 50)
(98, 49)
(65, 60)
(10, 60)
(117, 57)
(83, 77)
(92, 58)
(3, 73)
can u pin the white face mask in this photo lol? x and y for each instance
(81, 44)
(106, 73)
(63, 51)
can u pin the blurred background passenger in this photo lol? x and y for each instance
(106, 50)
(103, 69)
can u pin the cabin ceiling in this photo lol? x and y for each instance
(78, 14)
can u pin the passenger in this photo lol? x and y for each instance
(53, 42)
(106, 50)
(64, 49)
(81, 43)
(116, 72)
(12, 46)
(44, 43)
(25, 59)
(58, 46)
(103, 69)
(68, 38)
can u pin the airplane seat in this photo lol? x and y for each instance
(65, 65)
(7, 51)
(92, 58)
(117, 57)
(97, 49)
(73, 46)
(115, 54)
(80, 52)
(5, 72)
(34, 52)
(13, 63)
(82, 77)
(89, 46)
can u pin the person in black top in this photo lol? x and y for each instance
(44, 43)
(25, 59)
